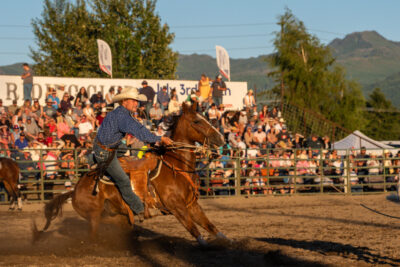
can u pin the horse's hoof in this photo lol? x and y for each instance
(11, 209)
(201, 241)
(19, 209)
(222, 236)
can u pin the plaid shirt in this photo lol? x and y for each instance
(117, 124)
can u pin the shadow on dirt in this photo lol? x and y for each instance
(393, 198)
(156, 249)
(333, 248)
(304, 216)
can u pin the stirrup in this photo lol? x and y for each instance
(140, 216)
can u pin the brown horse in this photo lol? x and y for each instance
(175, 185)
(9, 174)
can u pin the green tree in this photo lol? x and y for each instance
(382, 117)
(306, 75)
(66, 38)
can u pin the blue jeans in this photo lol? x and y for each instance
(27, 91)
(120, 178)
(217, 100)
(149, 105)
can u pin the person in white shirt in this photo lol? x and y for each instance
(260, 136)
(173, 105)
(249, 100)
(84, 127)
(252, 151)
(109, 97)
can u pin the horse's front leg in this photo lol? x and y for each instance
(14, 193)
(198, 215)
(183, 216)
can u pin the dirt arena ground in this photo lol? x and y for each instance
(267, 231)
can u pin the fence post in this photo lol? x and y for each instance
(208, 179)
(238, 176)
(41, 162)
(348, 180)
(268, 170)
(321, 171)
(384, 171)
(295, 171)
(76, 161)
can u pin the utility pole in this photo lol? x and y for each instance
(255, 93)
(282, 85)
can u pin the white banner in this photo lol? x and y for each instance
(223, 62)
(105, 57)
(11, 88)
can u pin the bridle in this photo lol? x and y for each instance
(203, 149)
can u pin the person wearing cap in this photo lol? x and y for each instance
(88, 111)
(116, 125)
(26, 163)
(163, 98)
(13, 108)
(259, 136)
(85, 127)
(21, 142)
(15, 133)
(283, 135)
(60, 90)
(148, 91)
(27, 77)
(55, 100)
(361, 163)
(101, 116)
(192, 97)
(31, 129)
(48, 110)
(218, 87)
(97, 100)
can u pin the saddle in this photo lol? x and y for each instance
(140, 172)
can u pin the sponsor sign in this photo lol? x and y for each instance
(11, 88)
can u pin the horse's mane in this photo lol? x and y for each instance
(175, 118)
(173, 123)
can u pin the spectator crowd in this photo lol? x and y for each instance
(269, 153)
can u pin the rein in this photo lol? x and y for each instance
(192, 149)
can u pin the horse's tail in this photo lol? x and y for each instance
(54, 208)
(51, 210)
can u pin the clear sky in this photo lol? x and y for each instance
(244, 28)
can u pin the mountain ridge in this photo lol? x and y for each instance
(368, 57)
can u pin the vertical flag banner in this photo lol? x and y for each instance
(223, 62)
(105, 57)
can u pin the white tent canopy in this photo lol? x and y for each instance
(357, 139)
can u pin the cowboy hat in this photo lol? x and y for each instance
(129, 93)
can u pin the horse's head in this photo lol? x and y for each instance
(193, 127)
